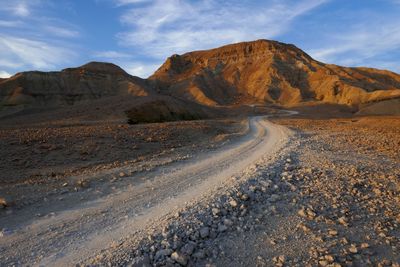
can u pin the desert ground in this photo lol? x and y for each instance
(330, 198)
(283, 189)
(251, 154)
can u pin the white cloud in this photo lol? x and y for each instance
(111, 54)
(143, 70)
(165, 27)
(360, 45)
(127, 2)
(21, 9)
(32, 53)
(33, 39)
(10, 23)
(61, 32)
(4, 74)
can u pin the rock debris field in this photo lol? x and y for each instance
(331, 198)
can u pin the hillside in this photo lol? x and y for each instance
(91, 81)
(272, 72)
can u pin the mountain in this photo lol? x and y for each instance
(91, 81)
(266, 71)
(198, 84)
(94, 91)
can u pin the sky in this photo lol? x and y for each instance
(139, 35)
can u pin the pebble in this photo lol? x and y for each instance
(215, 211)
(162, 253)
(222, 228)
(3, 202)
(233, 203)
(142, 261)
(204, 232)
(364, 245)
(353, 249)
(244, 197)
(188, 248)
(333, 232)
(199, 254)
(343, 221)
(179, 258)
(274, 197)
(228, 222)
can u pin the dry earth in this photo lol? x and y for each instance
(330, 197)
(48, 169)
(340, 205)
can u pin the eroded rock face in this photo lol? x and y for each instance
(245, 73)
(91, 81)
(270, 71)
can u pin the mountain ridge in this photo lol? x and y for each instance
(271, 72)
(258, 72)
(90, 81)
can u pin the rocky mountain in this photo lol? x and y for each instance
(193, 84)
(91, 81)
(270, 72)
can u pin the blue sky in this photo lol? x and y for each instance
(139, 35)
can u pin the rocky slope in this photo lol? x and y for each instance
(89, 82)
(272, 72)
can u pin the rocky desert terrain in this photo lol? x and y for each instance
(251, 154)
(331, 198)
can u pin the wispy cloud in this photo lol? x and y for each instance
(111, 55)
(128, 62)
(4, 74)
(30, 39)
(20, 8)
(141, 69)
(10, 23)
(160, 28)
(360, 45)
(127, 2)
(32, 53)
(61, 31)
(164, 27)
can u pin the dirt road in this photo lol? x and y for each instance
(74, 235)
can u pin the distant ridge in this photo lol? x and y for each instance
(91, 81)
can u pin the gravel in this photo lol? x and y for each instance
(314, 205)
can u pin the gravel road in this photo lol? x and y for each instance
(76, 235)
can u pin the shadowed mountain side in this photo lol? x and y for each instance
(89, 82)
(269, 72)
(384, 107)
(164, 108)
(122, 108)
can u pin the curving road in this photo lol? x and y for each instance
(75, 235)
